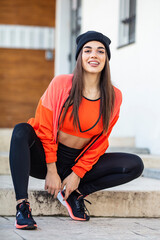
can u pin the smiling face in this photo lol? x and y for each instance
(93, 57)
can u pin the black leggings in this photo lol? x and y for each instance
(27, 157)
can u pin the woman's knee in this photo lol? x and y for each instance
(138, 165)
(21, 131)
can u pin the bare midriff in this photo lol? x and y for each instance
(72, 141)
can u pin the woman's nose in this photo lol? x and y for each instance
(93, 54)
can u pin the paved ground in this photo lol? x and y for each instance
(59, 228)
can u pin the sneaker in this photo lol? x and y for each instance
(75, 205)
(24, 219)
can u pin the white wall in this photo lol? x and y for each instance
(134, 68)
(148, 56)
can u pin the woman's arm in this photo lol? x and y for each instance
(53, 182)
(71, 183)
(44, 125)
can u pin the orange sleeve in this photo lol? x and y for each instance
(91, 156)
(45, 122)
(43, 126)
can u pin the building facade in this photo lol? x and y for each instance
(27, 30)
(134, 29)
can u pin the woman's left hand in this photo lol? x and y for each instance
(71, 182)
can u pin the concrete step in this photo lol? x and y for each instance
(122, 141)
(4, 163)
(150, 161)
(134, 150)
(5, 136)
(152, 173)
(139, 198)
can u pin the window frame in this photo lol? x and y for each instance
(127, 23)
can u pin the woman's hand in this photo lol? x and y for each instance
(53, 182)
(71, 182)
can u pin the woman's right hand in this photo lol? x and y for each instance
(52, 182)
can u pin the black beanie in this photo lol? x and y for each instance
(92, 36)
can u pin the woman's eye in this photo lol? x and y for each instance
(101, 52)
(87, 51)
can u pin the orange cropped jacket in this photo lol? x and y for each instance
(46, 121)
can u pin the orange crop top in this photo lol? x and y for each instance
(89, 119)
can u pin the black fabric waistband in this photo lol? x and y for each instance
(68, 152)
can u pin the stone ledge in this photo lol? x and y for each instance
(152, 173)
(104, 204)
(122, 141)
(139, 198)
(150, 161)
(134, 150)
(5, 137)
(6, 133)
(4, 163)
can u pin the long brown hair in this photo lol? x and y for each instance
(76, 94)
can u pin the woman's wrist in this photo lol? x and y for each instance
(51, 167)
(75, 175)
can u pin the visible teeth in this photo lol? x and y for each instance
(94, 63)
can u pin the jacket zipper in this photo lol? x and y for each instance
(82, 153)
(89, 145)
(59, 117)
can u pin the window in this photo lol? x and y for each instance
(127, 22)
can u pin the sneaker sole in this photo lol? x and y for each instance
(66, 204)
(25, 227)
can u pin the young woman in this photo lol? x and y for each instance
(65, 143)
